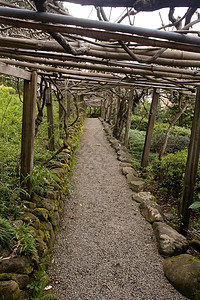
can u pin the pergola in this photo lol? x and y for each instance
(87, 57)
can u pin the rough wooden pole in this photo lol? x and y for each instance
(128, 120)
(50, 118)
(191, 168)
(28, 131)
(149, 133)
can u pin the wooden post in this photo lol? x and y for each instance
(50, 118)
(128, 120)
(28, 131)
(149, 133)
(191, 168)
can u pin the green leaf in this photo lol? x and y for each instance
(195, 205)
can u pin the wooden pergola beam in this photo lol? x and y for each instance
(164, 72)
(14, 71)
(139, 5)
(98, 34)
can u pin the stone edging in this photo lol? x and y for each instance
(171, 245)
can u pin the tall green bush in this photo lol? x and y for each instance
(175, 143)
(169, 172)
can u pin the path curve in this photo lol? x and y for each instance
(105, 250)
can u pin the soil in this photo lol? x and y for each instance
(105, 250)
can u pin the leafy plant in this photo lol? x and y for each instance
(7, 233)
(39, 284)
(169, 172)
(26, 242)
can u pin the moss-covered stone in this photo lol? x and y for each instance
(30, 218)
(9, 290)
(35, 198)
(21, 279)
(52, 195)
(41, 213)
(47, 204)
(29, 204)
(19, 264)
(41, 246)
(183, 271)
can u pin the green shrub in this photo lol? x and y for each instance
(139, 123)
(177, 130)
(175, 143)
(169, 172)
(137, 139)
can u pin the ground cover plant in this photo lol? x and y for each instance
(165, 176)
(20, 238)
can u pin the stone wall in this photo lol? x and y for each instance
(41, 213)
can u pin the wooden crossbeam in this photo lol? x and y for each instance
(14, 71)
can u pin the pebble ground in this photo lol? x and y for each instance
(105, 250)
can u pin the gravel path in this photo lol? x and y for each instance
(105, 250)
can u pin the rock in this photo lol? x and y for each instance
(137, 185)
(121, 153)
(183, 271)
(142, 197)
(60, 172)
(41, 246)
(151, 211)
(28, 218)
(21, 279)
(30, 205)
(49, 236)
(124, 164)
(55, 219)
(124, 159)
(35, 198)
(9, 290)
(19, 264)
(41, 213)
(169, 241)
(195, 244)
(128, 170)
(52, 195)
(131, 177)
(47, 204)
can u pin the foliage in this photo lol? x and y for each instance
(38, 285)
(26, 243)
(139, 122)
(169, 172)
(137, 139)
(175, 143)
(7, 233)
(176, 130)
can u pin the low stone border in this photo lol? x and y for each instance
(182, 270)
(41, 213)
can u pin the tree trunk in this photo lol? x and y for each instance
(128, 120)
(149, 133)
(191, 168)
